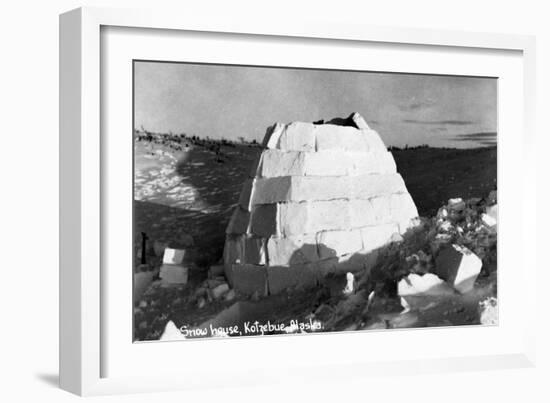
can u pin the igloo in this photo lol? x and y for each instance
(321, 198)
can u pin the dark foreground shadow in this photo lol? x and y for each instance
(322, 266)
(215, 170)
(171, 224)
(293, 293)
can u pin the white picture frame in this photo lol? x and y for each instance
(83, 307)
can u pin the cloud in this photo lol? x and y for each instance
(439, 122)
(488, 143)
(415, 105)
(481, 137)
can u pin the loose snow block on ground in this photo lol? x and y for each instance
(458, 266)
(419, 291)
(427, 284)
(174, 274)
(490, 218)
(174, 256)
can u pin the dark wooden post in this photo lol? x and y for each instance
(144, 239)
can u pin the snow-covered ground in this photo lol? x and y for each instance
(156, 178)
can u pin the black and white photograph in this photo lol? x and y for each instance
(273, 200)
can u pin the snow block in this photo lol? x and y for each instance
(297, 136)
(254, 250)
(458, 266)
(381, 209)
(370, 163)
(326, 163)
(233, 251)
(238, 223)
(248, 279)
(427, 284)
(419, 291)
(361, 213)
(276, 163)
(280, 278)
(368, 186)
(402, 207)
(338, 243)
(292, 250)
(300, 188)
(174, 274)
(263, 220)
(359, 121)
(319, 188)
(272, 190)
(311, 217)
(373, 140)
(344, 138)
(244, 197)
(375, 237)
(175, 256)
(272, 135)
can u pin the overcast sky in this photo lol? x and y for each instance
(234, 101)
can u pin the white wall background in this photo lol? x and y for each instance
(29, 201)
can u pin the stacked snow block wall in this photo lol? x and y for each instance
(322, 198)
